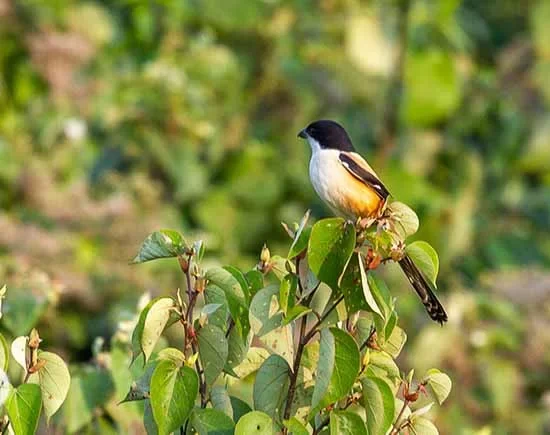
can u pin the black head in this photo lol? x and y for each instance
(329, 135)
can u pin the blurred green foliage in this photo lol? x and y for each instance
(119, 118)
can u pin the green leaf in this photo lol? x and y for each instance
(236, 298)
(255, 423)
(255, 281)
(215, 296)
(161, 244)
(379, 403)
(221, 401)
(385, 362)
(351, 287)
(213, 351)
(287, 292)
(252, 362)
(211, 422)
(346, 423)
(404, 220)
(296, 312)
(439, 384)
(4, 353)
(423, 426)
(174, 389)
(339, 363)
(237, 349)
(266, 320)
(367, 292)
(154, 318)
(54, 381)
(23, 406)
(295, 427)
(148, 419)
(241, 279)
(240, 407)
(425, 258)
(330, 247)
(301, 238)
(395, 342)
(265, 312)
(271, 386)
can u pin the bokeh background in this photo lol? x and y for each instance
(120, 118)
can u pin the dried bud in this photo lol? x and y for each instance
(200, 284)
(411, 397)
(37, 366)
(34, 339)
(184, 264)
(265, 255)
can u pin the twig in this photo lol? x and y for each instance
(188, 323)
(319, 428)
(366, 342)
(313, 329)
(295, 367)
(396, 427)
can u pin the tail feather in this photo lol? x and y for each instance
(424, 290)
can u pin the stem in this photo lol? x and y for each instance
(295, 367)
(187, 323)
(366, 342)
(397, 428)
(319, 428)
(321, 319)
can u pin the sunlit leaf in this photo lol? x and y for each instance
(404, 220)
(19, 351)
(4, 353)
(287, 292)
(301, 238)
(367, 292)
(54, 380)
(439, 384)
(255, 423)
(425, 258)
(174, 389)
(252, 362)
(154, 318)
(295, 427)
(161, 244)
(423, 426)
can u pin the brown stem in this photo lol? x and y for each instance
(188, 323)
(295, 368)
(396, 427)
(321, 319)
(366, 342)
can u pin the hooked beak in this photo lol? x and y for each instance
(302, 134)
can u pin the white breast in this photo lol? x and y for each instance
(324, 171)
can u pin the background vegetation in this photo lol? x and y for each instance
(119, 118)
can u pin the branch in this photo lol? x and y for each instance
(187, 324)
(369, 338)
(321, 319)
(295, 368)
(397, 428)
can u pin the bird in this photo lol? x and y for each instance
(352, 189)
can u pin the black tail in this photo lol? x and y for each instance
(424, 289)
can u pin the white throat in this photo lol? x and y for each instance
(315, 146)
